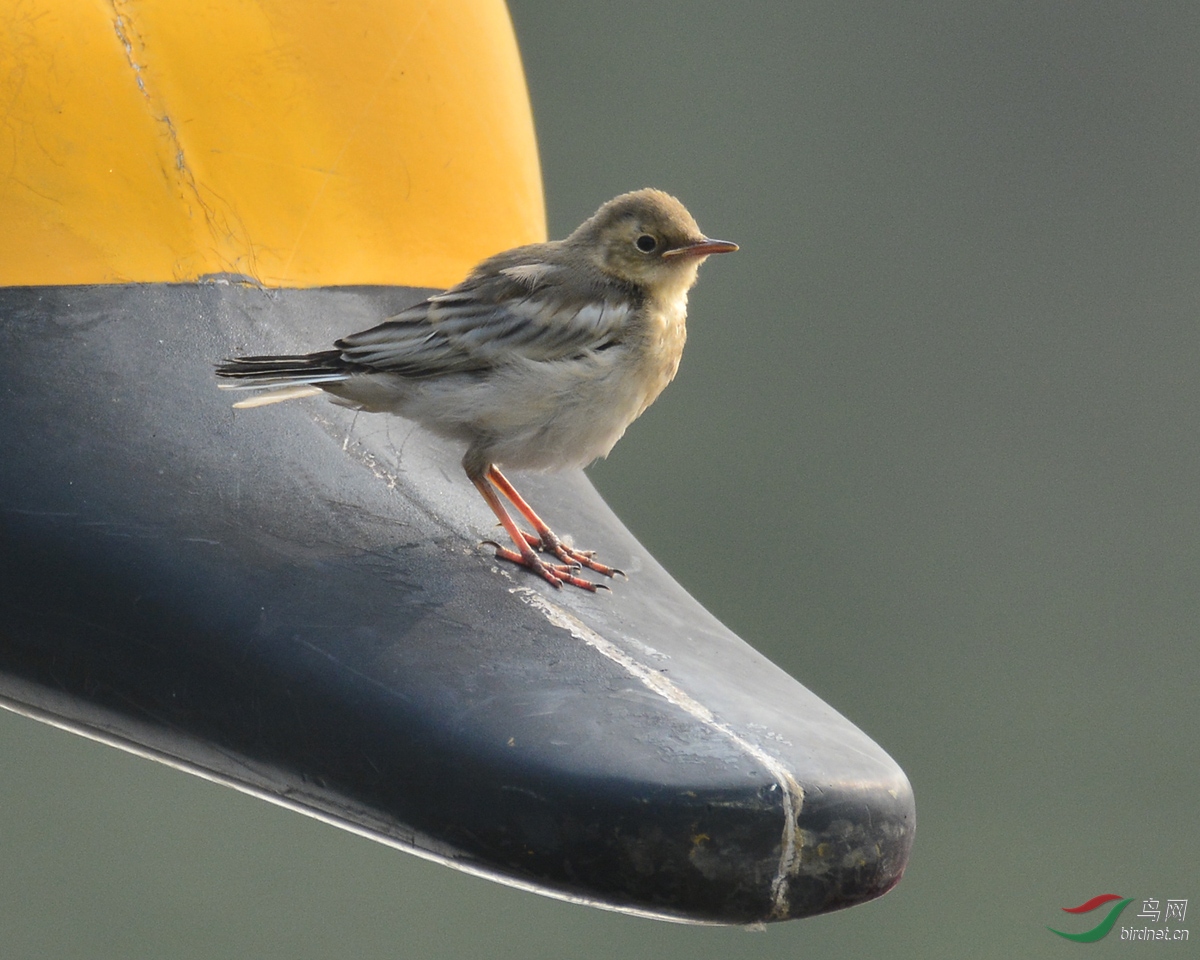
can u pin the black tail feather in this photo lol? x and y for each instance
(299, 368)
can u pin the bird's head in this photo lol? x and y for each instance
(649, 239)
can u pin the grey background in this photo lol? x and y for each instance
(933, 448)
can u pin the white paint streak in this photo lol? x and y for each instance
(791, 791)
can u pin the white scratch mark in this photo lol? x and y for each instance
(791, 791)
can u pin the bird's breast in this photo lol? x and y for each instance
(660, 345)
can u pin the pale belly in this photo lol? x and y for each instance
(546, 416)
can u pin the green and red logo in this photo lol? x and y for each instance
(1157, 918)
(1102, 929)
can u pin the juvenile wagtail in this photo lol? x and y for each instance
(539, 360)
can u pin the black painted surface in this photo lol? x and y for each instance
(293, 600)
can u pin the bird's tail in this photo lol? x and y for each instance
(282, 378)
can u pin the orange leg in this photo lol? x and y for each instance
(553, 573)
(546, 538)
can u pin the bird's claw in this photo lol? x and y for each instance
(551, 544)
(556, 574)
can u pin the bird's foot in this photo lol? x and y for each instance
(548, 542)
(556, 574)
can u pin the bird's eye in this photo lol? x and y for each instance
(646, 243)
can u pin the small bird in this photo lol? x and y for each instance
(539, 360)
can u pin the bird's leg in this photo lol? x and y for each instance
(553, 573)
(546, 538)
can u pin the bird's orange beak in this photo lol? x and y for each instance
(701, 248)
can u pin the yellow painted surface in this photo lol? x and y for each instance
(298, 142)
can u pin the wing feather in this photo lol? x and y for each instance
(516, 311)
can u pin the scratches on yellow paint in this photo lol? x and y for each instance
(123, 27)
(300, 144)
(225, 239)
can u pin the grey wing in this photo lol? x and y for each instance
(489, 321)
